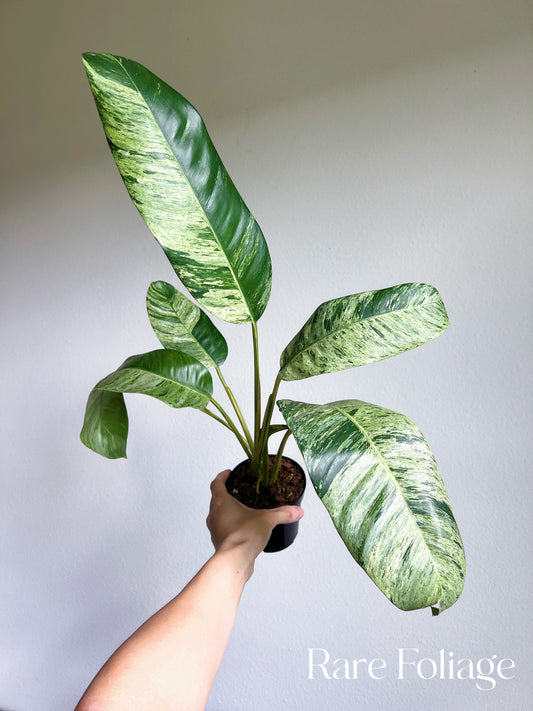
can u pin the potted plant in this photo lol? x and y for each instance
(371, 467)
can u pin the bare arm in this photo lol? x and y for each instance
(171, 661)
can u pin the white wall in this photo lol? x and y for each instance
(415, 169)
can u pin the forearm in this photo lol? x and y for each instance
(171, 661)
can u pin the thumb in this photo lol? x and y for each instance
(285, 514)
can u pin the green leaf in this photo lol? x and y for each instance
(364, 328)
(181, 325)
(183, 192)
(175, 378)
(105, 427)
(376, 476)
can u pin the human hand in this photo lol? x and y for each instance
(233, 524)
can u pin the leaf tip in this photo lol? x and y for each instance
(87, 57)
(282, 404)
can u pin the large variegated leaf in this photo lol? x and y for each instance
(378, 479)
(181, 325)
(105, 427)
(183, 192)
(364, 328)
(175, 378)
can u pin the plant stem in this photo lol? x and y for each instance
(277, 461)
(269, 410)
(236, 408)
(257, 386)
(216, 417)
(262, 469)
(231, 425)
(260, 462)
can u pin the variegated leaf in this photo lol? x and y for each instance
(175, 378)
(105, 427)
(364, 328)
(181, 325)
(183, 192)
(379, 481)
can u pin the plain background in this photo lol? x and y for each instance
(376, 143)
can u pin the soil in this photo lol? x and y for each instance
(289, 486)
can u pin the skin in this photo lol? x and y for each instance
(171, 661)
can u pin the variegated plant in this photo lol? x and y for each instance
(371, 467)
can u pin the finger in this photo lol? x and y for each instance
(220, 480)
(285, 514)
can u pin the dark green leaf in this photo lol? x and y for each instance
(183, 192)
(175, 378)
(105, 427)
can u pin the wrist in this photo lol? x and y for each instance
(240, 556)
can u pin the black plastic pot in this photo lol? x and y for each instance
(284, 533)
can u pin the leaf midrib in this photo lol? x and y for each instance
(193, 191)
(347, 328)
(163, 377)
(382, 460)
(189, 331)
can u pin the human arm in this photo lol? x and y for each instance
(171, 661)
